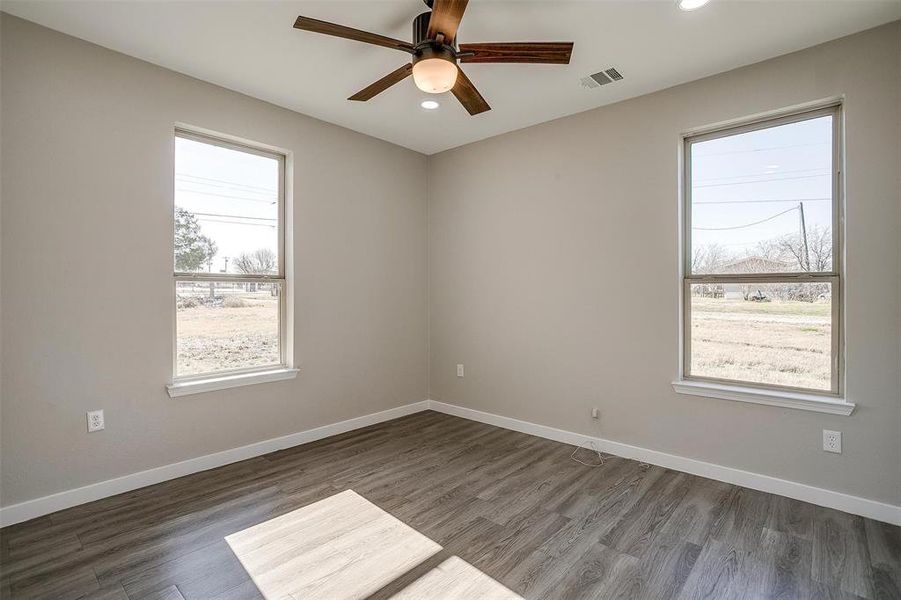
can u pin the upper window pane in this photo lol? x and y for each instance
(226, 210)
(761, 201)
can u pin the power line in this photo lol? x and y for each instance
(760, 181)
(748, 224)
(212, 220)
(760, 174)
(748, 150)
(262, 200)
(235, 216)
(223, 181)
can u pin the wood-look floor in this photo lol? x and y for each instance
(500, 504)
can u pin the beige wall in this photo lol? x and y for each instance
(525, 270)
(87, 268)
(553, 272)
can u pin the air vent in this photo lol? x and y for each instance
(601, 78)
(613, 74)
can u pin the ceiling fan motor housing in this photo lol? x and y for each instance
(434, 60)
(424, 48)
(435, 51)
(421, 34)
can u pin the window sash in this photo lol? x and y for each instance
(232, 277)
(834, 276)
(232, 145)
(836, 359)
(812, 276)
(833, 110)
(279, 279)
(282, 330)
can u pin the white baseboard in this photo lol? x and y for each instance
(764, 483)
(38, 507)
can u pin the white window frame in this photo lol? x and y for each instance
(830, 401)
(216, 380)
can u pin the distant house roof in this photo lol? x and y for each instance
(756, 264)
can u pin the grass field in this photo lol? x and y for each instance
(785, 343)
(242, 332)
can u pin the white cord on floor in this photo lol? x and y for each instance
(601, 458)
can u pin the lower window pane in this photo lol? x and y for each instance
(224, 325)
(778, 334)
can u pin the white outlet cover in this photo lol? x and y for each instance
(459, 370)
(832, 441)
(95, 421)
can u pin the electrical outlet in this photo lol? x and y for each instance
(832, 441)
(459, 370)
(95, 420)
(595, 413)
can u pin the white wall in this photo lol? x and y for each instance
(530, 286)
(87, 180)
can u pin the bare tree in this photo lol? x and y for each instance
(769, 250)
(708, 258)
(819, 248)
(697, 258)
(258, 262)
(820, 243)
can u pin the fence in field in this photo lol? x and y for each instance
(784, 292)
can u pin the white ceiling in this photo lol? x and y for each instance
(251, 47)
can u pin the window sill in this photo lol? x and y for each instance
(199, 386)
(800, 401)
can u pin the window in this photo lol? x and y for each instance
(229, 259)
(762, 283)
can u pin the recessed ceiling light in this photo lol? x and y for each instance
(691, 4)
(429, 104)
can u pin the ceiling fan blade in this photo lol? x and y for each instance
(468, 95)
(317, 26)
(557, 53)
(383, 84)
(445, 19)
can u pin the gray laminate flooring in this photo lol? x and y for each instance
(510, 511)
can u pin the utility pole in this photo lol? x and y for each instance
(804, 238)
(212, 285)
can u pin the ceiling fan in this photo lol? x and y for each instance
(435, 53)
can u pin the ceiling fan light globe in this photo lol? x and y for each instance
(434, 75)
